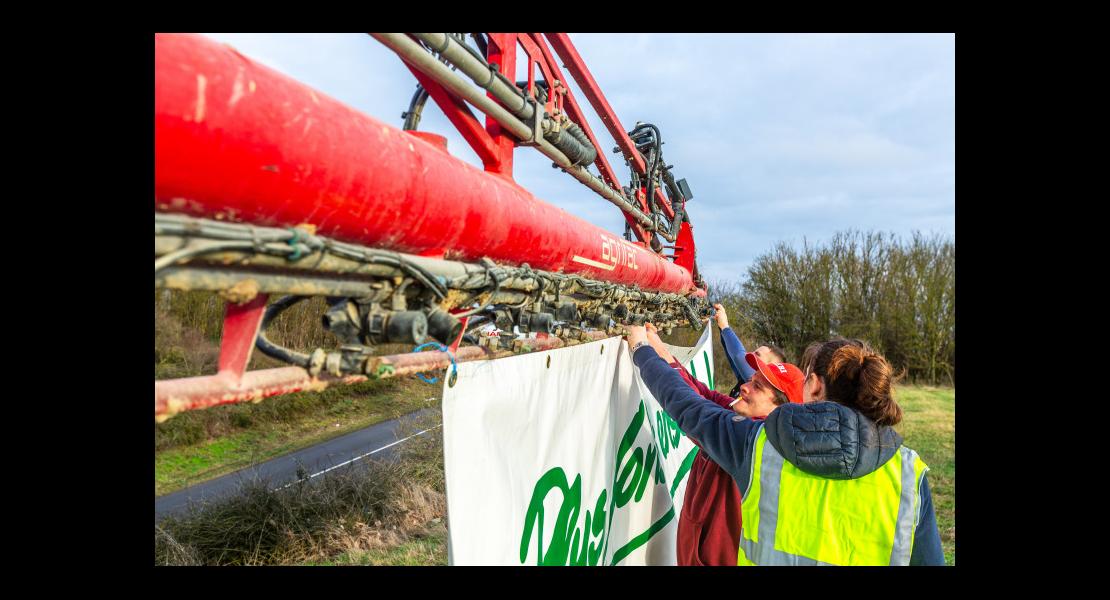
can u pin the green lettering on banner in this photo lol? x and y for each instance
(571, 544)
(708, 369)
(684, 468)
(641, 539)
(621, 496)
(667, 433)
(567, 538)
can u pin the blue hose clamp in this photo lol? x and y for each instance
(454, 366)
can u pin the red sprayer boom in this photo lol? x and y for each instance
(264, 186)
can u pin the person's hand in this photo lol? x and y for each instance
(722, 318)
(657, 343)
(635, 334)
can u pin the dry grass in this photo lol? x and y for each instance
(415, 512)
(419, 550)
(180, 351)
(343, 511)
(363, 513)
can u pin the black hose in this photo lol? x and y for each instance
(271, 349)
(672, 187)
(678, 201)
(575, 131)
(481, 42)
(541, 90)
(652, 160)
(572, 141)
(496, 288)
(416, 106)
(654, 156)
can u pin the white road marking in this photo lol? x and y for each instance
(593, 263)
(360, 456)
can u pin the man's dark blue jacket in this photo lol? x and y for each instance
(826, 439)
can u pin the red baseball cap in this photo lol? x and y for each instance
(786, 378)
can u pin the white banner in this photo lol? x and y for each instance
(564, 458)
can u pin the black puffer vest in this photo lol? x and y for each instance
(830, 440)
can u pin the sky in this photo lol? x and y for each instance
(782, 138)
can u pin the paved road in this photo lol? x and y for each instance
(374, 442)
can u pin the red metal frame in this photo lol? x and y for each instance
(241, 323)
(501, 51)
(575, 113)
(577, 68)
(458, 113)
(685, 253)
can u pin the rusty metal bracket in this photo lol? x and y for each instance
(536, 124)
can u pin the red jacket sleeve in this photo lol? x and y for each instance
(711, 395)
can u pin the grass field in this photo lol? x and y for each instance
(929, 427)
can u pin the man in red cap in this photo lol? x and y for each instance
(709, 526)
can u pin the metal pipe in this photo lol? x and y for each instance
(173, 396)
(242, 285)
(378, 367)
(321, 262)
(569, 139)
(245, 272)
(481, 73)
(420, 59)
(245, 285)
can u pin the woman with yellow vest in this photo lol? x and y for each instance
(827, 482)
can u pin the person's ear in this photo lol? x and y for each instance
(818, 386)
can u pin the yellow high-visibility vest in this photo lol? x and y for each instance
(793, 518)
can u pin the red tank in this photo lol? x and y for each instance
(236, 140)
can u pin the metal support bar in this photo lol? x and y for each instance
(241, 323)
(454, 347)
(502, 50)
(173, 396)
(460, 116)
(536, 122)
(223, 279)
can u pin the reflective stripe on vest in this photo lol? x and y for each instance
(864, 521)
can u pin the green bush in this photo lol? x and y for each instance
(898, 295)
